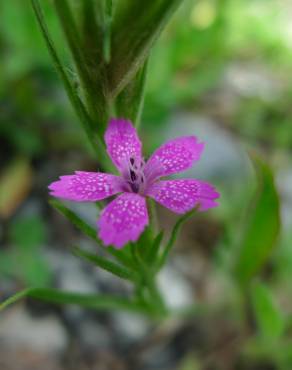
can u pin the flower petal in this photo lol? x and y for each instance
(174, 156)
(86, 186)
(122, 142)
(182, 195)
(123, 220)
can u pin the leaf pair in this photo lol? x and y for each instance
(86, 121)
(110, 48)
(97, 302)
(153, 254)
(261, 230)
(126, 268)
(269, 319)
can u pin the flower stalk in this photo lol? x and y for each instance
(110, 43)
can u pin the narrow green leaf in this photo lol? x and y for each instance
(108, 12)
(105, 264)
(88, 231)
(129, 103)
(75, 220)
(173, 236)
(154, 248)
(261, 231)
(88, 70)
(72, 35)
(87, 124)
(91, 32)
(269, 318)
(16, 297)
(97, 302)
(135, 28)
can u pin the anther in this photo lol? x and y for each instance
(133, 175)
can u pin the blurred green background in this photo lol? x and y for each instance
(221, 70)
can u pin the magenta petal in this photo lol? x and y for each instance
(123, 220)
(122, 142)
(174, 156)
(182, 195)
(86, 186)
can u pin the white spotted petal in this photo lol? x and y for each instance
(122, 142)
(87, 186)
(123, 220)
(174, 156)
(182, 195)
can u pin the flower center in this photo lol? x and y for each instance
(135, 176)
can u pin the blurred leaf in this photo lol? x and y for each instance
(15, 183)
(22, 45)
(7, 263)
(135, 28)
(28, 232)
(26, 140)
(28, 235)
(190, 362)
(98, 302)
(261, 231)
(35, 270)
(269, 318)
(129, 103)
(105, 264)
(26, 266)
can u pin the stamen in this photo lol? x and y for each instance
(133, 175)
(135, 187)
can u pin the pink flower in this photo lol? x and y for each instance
(125, 218)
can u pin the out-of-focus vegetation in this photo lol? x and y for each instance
(230, 61)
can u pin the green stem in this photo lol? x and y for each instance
(153, 216)
(173, 237)
(156, 299)
(108, 10)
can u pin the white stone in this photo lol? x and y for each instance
(19, 328)
(176, 290)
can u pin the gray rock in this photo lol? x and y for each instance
(70, 272)
(93, 334)
(87, 211)
(20, 329)
(130, 327)
(176, 290)
(223, 157)
(252, 80)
